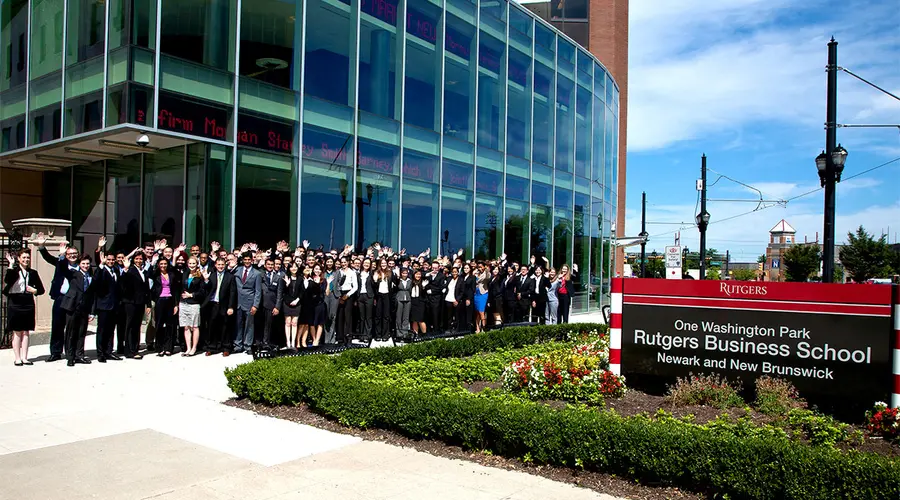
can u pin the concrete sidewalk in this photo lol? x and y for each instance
(157, 428)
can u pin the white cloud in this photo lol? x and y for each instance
(699, 69)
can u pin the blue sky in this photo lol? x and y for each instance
(744, 82)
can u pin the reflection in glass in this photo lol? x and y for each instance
(132, 22)
(330, 57)
(565, 95)
(208, 211)
(13, 29)
(379, 62)
(423, 65)
(581, 251)
(46, 40)
(543, 113)
(85, 30)
(270, 31)
(518, 120)
(516, 234)
(377, 197)
(583, 105)
(456, 221)
(459, 79)
(491, 82)
(88, 204)
(599, 258)
(164, 195)
(541, 231)
(562, 237)
(124, 202)
(488, 227)
(263, 211)
(200, 31)
(420, 217)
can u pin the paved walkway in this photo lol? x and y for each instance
(156, 428)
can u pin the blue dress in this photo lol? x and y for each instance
(480, 299)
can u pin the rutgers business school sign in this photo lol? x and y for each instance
(828, 339)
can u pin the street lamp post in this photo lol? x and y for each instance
(702, 218)
(830, 164)
(643, 236)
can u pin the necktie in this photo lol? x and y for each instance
(244, 279)
(87, 281)
(218, 286)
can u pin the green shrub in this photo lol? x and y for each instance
(661, 451)
(709, 390)
(776, 396)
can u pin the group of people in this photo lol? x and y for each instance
(251, 299)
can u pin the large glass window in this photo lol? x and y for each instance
(492, 67)
(488, 227)
(423, 64)
(12, 119)
(518, 121)
(330, 58)
(88, 205)
(85, 31)
(326, 187)
(123, 221)
(46, 113)
(544, 94)
(599, 257)
(380, 64)
(263, 209)
(565, 124)
(84, 97)
(562, 237)
(581, 248)
(13, 30)
(270, 42)
(541, 231)
(46, 50)
(516, 238)
(132, 22)
(456, 221)
(164, 195)
(377, 194)
(420, 217)
(460, 68)
(208, 212)
(201, 31)
(583, 139)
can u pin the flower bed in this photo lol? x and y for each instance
(578, 373)
(418, 391)
(883, 421)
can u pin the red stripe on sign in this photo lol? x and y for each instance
(615, 357)
(615, 320)
(896, 339)
(617, 285)
(896, 379)
(760, 305)
(832, 293)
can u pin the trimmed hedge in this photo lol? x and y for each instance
(664, 451)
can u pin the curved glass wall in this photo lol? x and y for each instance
(441, 124)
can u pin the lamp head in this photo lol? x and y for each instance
(838, 157)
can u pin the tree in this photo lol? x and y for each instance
(800, 262)
(865, 257)
(744, 275)
(761, 259)
(713, 273)
(656, 268)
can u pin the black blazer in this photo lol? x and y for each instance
(435, 285)
(510, 288)
(175, 285)
(79, 298)
(541, 285)
(314, 293)
(293, 291)
(106, 295)
(469, 287)
(389, 278)
(12, 276)
(370, 283)
(496, 288)
(227, 292)
(196, 287)
(526, 287)
(59, 275)
(133, 289)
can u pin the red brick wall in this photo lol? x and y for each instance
(609, 42)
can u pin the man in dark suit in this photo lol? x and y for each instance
(510, 283)
(272, 296)
(249, 298)
(134, 293)
(366, 301)
(220, 303)
(433, 289)
(65, 262)
(106, 304)
(524, 291)
(78, 304)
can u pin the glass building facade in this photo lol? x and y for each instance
(441, 124)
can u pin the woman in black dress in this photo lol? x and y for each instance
(20, 285)
(293, 293)
(313, 309)
(417, 305)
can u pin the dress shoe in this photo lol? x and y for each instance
(83, 361)
(54, 357)
(71, 362)
(27, 363)
(101, 360)
(113, 357)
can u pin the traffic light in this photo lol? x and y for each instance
(759, 266)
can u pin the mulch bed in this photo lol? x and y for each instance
(603, 483)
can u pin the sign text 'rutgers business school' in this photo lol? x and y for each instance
(820, 352)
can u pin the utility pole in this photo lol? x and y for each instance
(702, 217)
(643, 234)
(727, 258)
(830, 171)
